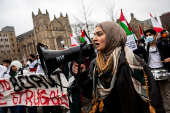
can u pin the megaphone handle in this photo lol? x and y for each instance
(80, 57)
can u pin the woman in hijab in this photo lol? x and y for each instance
(122, 82)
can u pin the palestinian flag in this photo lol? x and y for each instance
(141, 32)
(124, 24)
(156, 25)
(84, 37)
(166, 28)
(73, 41)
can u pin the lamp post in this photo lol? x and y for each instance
(62, 43)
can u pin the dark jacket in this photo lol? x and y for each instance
(140, 51)
(164, 50)
(123, 97)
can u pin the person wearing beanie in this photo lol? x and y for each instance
(16, 69)
(15, 66)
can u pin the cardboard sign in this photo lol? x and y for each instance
(131, 42)
(34, 90)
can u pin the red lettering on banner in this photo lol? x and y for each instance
(20, 93)
(5, 84)
(2, 103)
(65, 103)
(28, 98)
(54, 97)
(38, 98)
(46, 102)
(14, 98)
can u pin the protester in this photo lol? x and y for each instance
(3, 70)
(156, 51)
(33, 63)
(140, 51)
(17, 69)
(39, 68)
(165, 36)
(7, 63)
(158, 58)
(15, 66)
(122, 82)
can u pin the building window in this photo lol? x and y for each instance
(18, 50)
(14, 51)
(13, 45)
(2, 52)
(1, 40)
(17, 44)
(0, 34)
(4, 35)
(11, 34)
(136, 26)
(6, 40)
(8, 51)
(11, 39)
(47, 27)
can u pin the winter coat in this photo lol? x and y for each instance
(123, 97)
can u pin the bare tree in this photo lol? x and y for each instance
(78, 26)
(85, 22)
(111, 13)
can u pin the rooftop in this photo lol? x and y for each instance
(8, 28)
(31, 31)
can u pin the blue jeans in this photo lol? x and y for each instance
(21, 109)
(12, 109)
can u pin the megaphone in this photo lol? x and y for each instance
(52, 59)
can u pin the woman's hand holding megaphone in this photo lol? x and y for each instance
(75, 68)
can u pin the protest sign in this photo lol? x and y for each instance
(131, 42)
(34, 90)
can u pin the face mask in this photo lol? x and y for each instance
(141, 44)
(30, 60)
(149, 39)
(39, 62)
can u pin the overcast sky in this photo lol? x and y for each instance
(18, 13)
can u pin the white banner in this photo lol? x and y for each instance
(131, 42)
(34, 90)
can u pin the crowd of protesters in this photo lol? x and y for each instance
(116, 78)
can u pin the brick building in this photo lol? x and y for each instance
(165, 20)
(8, 44)
(134, 24)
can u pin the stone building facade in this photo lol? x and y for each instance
(165, 20)
(134, 24)
(8, 44)
(47, 32)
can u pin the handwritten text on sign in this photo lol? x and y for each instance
(131, 42)
(34, 90)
